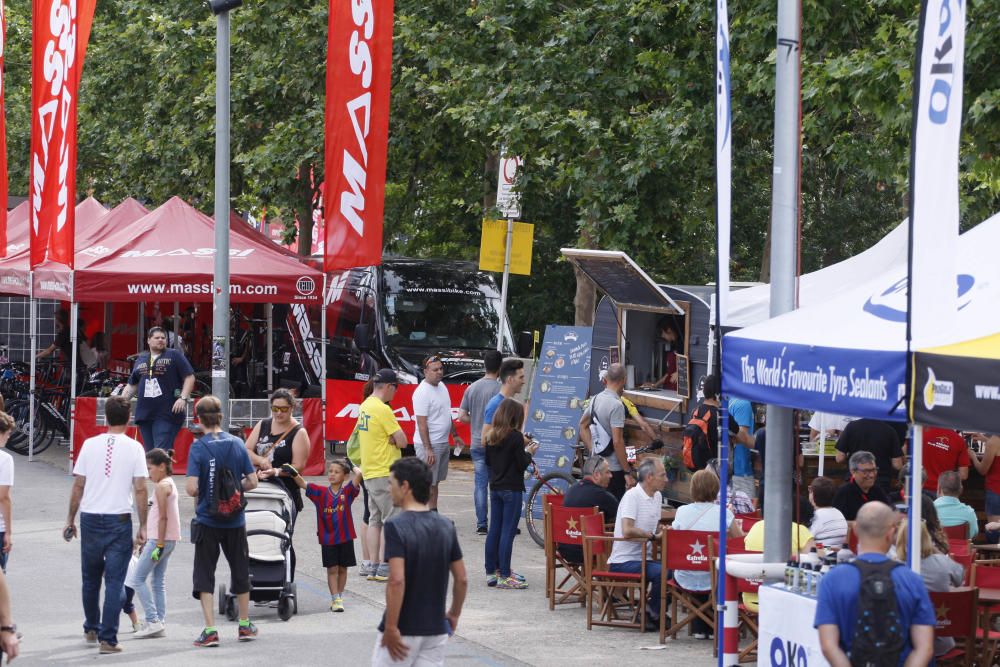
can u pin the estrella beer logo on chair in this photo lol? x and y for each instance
(697, 554)
(786, 653)
(572, 529)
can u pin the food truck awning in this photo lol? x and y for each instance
(621, 279)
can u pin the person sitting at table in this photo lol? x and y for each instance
(952, 511)
(861, 488)
(591, 491)
(802, 543)
(939, 572)
(639, 517)
(828, 527)
(879, 439)
(702, 514)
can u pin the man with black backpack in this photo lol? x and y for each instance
(219, 472)
(875, 612)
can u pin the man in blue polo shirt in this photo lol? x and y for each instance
(162, 381)
(741, 412)
(837, 606)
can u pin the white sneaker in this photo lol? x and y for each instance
(137, 627)
(152, 630)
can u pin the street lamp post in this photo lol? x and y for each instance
(220, 302)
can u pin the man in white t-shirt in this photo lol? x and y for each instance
(109, 471)
(830, 424)
(6, 487)
(432, 408)
(639, 516)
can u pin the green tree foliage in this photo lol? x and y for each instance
(610, 103)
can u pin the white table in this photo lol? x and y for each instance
(787, 637)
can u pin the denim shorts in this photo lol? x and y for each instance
(992, 503)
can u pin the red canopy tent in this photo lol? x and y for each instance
(168, 254)
(14, 269)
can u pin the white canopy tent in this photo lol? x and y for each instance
(752, 305)
(847, 354)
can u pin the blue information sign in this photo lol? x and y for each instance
(562, 378)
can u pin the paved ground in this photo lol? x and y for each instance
(496, 628)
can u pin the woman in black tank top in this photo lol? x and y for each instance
(279, 440)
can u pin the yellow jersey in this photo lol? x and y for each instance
(376, 424)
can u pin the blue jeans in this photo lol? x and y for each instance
(652, 576)
(154, 601)
(159, 433)
(3, 554)
(482, 481)
(506, 509)
(105, 550)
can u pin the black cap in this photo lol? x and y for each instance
(386, 376)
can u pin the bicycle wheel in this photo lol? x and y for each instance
(553, 482)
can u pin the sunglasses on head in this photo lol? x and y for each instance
(281, 408)
(430, 360)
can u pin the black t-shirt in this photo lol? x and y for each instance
(507, 461)
(877, 437)
(281, 454)
(850, 498)
(587, 494)
(428, 544)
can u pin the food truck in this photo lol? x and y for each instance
(627, 330)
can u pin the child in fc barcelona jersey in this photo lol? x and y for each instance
(334, 525)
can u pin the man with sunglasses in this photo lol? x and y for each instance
(432, 410)
(381, 441)
(861, 488)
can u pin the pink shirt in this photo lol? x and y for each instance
(173, 518)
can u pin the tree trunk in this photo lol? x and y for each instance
(765, 257)
(489, 182)
(585, 300)
(305, 195)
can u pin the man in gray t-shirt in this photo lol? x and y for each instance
(474, 401)
(609, 411)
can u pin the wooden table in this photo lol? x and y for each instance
(987, 551)
(989, 596)
(667, 515)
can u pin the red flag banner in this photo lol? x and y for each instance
(358, 77)
(60, 30)
(3, 136)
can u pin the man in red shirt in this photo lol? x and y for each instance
(944, 450)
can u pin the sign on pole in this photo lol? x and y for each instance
(508, 203)
(492, 247)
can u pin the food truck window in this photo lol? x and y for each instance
(654, 338)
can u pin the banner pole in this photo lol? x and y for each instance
(506, 278)
(33, 328)
(220, 304)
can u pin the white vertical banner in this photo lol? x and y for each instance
(723, 155)
(937, 128)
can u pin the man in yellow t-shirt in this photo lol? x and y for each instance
(802, 542)
(381, 440)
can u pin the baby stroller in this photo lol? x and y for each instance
(269, 538)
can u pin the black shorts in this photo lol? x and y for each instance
(207, 542)
(339, 555)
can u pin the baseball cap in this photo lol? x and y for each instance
(386, 376)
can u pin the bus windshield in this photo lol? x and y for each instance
(442, 318)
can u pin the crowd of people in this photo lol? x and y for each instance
(415, 551)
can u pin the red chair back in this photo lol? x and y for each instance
(593, 526)
(852, 539)
(747, 522)
(959, 547)
(554, 499)
(959, 532)
(955, 611)
(985, 576)
(566, 523)
(688, 550)
(965, 560)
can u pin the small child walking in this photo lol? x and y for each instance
(335, 526)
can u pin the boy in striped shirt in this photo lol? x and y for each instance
(334, 524)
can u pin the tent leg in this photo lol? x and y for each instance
(33, 327)
(74, 318)
(915, 493)
(269, 309)
(139, 340)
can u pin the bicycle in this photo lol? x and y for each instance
(555, 482)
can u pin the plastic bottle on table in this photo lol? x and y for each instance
(811, 558)
(845, 555)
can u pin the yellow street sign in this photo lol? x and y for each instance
(493, 247)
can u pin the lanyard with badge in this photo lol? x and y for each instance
(152, 386)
